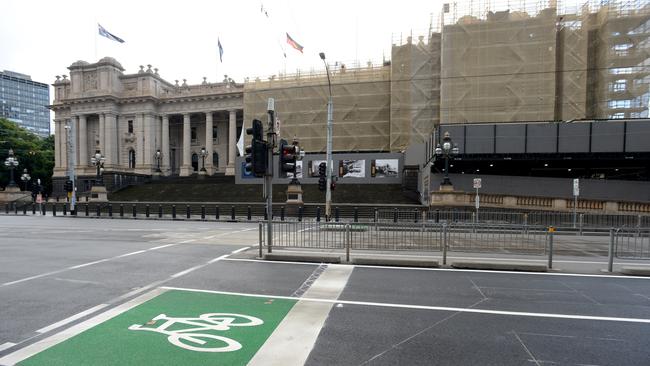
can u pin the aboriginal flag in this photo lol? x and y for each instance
(293, 43)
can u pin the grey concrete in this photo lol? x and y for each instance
(296, 257)
(500, 266)
(636, 271)
(394, 261)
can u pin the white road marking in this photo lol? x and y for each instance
(239, 250)
(452, 269)
(299, 329)
(71, 319)
(32, 349)
(6, 345)
(93, 263)
(183, 273)
(228, 233)
(426, 307)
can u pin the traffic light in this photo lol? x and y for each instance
(256, 154)
(288, 157)
(68, 186)
(322, 181)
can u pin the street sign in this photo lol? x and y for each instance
(576, 187)
(477, 183)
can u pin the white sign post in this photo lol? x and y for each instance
(576, 193)
(477, 185)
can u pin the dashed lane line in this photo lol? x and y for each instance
(71, 319)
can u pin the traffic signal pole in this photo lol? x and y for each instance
(328, 192)
(268, 177)
(72, 160)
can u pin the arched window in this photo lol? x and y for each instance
(132, 159)
(195, 162)
(215, 160)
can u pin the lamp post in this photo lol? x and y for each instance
(330, 112)
(203, 154)
(158, 156)
(98, 161)
(447, 150)
(11, 162)
(25, 178)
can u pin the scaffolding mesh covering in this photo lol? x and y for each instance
(415, 91)
(361, 99)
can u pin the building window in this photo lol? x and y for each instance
(193, 134)
(131, 158)
(215, 135)
(215, 160)
(622, 49)
(130, 126)
(618, 86)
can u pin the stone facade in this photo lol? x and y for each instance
(129, 117)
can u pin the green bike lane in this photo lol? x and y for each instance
(174, 328)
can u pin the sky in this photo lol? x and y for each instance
(42, 38)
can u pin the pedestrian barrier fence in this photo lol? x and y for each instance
(631, 244)
(423, 236)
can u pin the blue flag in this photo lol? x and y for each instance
(220, 50)
(107, 34)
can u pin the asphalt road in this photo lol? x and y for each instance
(58, 272)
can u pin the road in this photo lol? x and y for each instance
(80, 291)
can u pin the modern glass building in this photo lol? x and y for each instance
(25, 102)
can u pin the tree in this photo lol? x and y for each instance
(33, 152)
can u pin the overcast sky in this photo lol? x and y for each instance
(42, 38)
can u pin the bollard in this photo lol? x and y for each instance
(85, 209)
(444, 244)
(232, 213)
(57, 198)
(33, 209)
(7, 208)
(347, 243)
(318, 214)
(376, 215)
(300, 213)
(160, 211)
(336, 214)
(394, 215)
(356, 214)
(581, 220)
(187, 211)
(437, 216)
(216, 212)
(415, 215)
(248, 213)
(610, 252)
(110, 210)
(98, 208)
(551, 232)
(174, 212)
(260, 228)
(134, 212)
(65, 209)
(44, 207)
(146, 210)
(54, 209)
(282, 213)
(121, 210)
(203, 212)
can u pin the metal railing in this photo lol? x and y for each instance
(631, 244)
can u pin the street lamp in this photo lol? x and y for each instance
(203, 154)
(158, 156)
(98, 161)
(447, 150)
(25, 178)
(330, 112)
(11, 162)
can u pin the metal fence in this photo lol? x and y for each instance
(421, 236)
(631, 244)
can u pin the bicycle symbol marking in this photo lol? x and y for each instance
(191, 338)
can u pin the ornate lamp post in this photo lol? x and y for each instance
(330, 113)
(203, 154)
(25, 178)
(158, 156)
(11, 162)
(448, 149)
(98, 161)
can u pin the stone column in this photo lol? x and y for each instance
(232, 142)
(208, 143)
(83, 142)
(149, 141)
(186, 167)
(109, 139)
(102, 134)
(165, 145)
(57, 143)
(139, 132)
